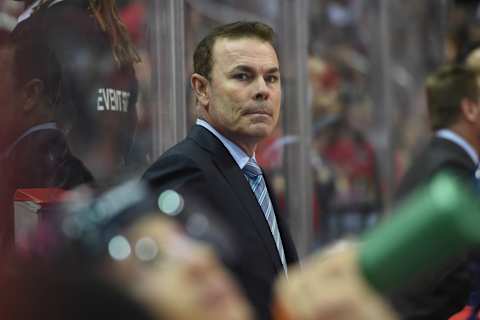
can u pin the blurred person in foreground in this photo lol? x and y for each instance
(237, 84)
(143, 253)
(454, 110)
(123, 262)
(330, 285)
(354, 280)
(33, 149)
(99, 87)
(184, 281)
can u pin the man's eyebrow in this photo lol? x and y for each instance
(250, 69)
(273, 70)
(242, 68)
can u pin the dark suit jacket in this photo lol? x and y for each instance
(438, 295)
(41, 159)
(200, 165)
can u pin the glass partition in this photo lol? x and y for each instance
(366, 66)
(353, 110)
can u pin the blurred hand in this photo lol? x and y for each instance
(329, 287)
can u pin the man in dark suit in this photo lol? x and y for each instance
(453, 104)
(33, 149)
(236, 82)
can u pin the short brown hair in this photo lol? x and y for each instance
(203, 57)
(445, 90)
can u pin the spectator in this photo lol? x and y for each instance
(452, 98)
(33, 149)
(99, 86)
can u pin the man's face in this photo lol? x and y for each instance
(244, 92)
(8, 110)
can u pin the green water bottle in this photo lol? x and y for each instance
(439, 221)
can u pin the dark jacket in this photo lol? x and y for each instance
(201, 166)
(443, 293)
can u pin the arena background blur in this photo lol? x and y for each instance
(353, 108)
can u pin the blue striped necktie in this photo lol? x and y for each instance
(257, 183)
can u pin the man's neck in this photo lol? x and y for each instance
(246, 147)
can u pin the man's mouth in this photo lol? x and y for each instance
(259, 111)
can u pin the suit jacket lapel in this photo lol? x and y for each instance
(240, 186)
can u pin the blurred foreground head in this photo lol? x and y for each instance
(149, 256)
(356, 280)
(330, 286)
(176, 277)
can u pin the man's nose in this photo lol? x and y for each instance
(262, 91)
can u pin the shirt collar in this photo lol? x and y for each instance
(240, 157)
(38, 127)
(461, 142)
(29, 11)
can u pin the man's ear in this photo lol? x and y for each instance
(201, 89)
(31, 94)
(470, 110)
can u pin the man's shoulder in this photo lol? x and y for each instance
(442, 152)
(198, 143)
(192, 158)
(183, 156)
(39, 142)
(438, 156)
(187, 148)
(438, 152)
(44, 159)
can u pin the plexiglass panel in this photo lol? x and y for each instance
(367, 63)
(353, 109)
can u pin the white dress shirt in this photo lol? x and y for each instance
(240, 157)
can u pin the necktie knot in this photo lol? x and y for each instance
(251, 169)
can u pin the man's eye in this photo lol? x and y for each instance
(241, 76)
(272, 79)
